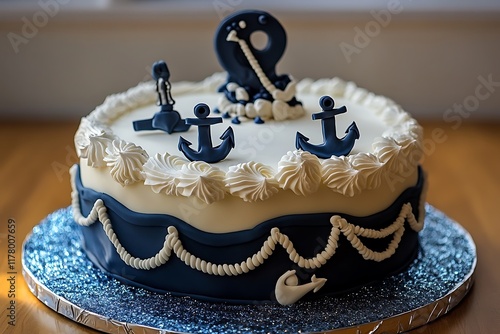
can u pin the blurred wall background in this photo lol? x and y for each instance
(61, 58)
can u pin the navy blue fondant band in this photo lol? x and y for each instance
(144, 234)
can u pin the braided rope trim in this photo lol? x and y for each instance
(173, 243)
(277, 94)
(352, 232)
(256, 67)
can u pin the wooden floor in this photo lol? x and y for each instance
(463, 166)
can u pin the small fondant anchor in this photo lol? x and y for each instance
(167, 119)
(288, 290)
(205, 151)
(331, 145)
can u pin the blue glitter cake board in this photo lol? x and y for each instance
(60, 275)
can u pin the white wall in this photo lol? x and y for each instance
(428, 60)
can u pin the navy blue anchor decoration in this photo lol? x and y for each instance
(252, 68)
(167, 119)
(331, 144)
(206, 152)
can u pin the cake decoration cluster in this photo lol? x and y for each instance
(253, 89)
(347, 175)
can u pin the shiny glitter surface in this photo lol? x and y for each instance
(61, 276)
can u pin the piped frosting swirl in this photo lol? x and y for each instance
(201, 180)
(251, 181)
(126, 161)
(91, 141)
(300, 172)
(161, 172)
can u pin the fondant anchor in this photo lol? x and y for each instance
(205, 151)
(288, 291)
(167, 119)
(331, 144)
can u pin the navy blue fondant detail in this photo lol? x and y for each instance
(206, 152)
(167, 119)
(226, 115)
(293, 102)
(332, 145)
(232, 58)
(234, 61)
(258, 120)
(236, 120)
(143, 235)
(264, 95)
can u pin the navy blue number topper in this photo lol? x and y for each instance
(250, 67)
(230, 55)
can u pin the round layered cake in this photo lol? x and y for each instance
(231, 192)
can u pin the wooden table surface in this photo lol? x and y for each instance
(463, 166)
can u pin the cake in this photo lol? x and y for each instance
(280, 211)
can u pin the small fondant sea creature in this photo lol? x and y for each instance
(331, 144)
(206, 152)
(167, 119)
(288, 290)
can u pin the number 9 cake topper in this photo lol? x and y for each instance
(237, 29)
(253, 88)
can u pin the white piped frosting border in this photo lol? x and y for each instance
(397, 150)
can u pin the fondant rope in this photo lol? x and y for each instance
(173, 243)
(397, 228)
(277, 94)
